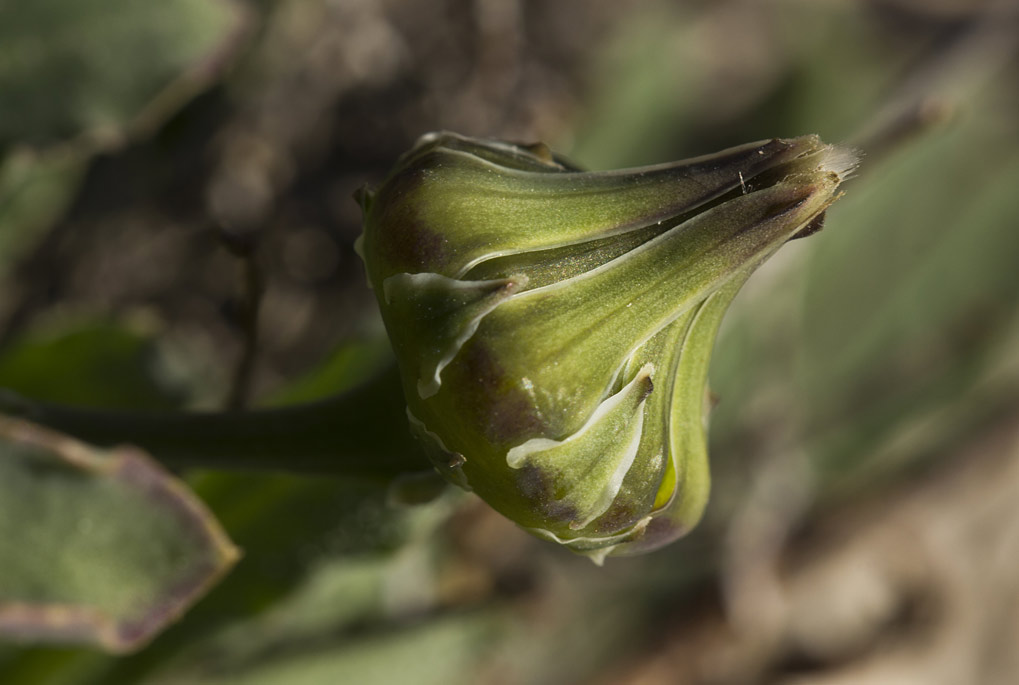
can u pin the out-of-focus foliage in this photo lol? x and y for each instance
(72, 67)
(34, 191)
(867, 377)
(94, 365)
(103, 548)
(345, 367)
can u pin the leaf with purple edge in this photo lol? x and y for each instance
(97, 547)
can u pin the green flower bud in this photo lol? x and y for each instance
(553, 327)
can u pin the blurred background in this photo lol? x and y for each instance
(177, 228)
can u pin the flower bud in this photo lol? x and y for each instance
(553, 327)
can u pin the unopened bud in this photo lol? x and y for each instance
(553, 327)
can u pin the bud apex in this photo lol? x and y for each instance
(553, 327)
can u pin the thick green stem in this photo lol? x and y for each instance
(361, 433)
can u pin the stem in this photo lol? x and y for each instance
(243, 374)
(361, 433)
(244, 247)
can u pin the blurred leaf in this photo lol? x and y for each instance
(34, 191)
(910, 299)
(96, 364)
(666, 88)
(838, 76)
(311, 549)
(926, 250)
(644, 101)
(73, 66)
(887, 318)
(335, 597)
(351, 363)
(444, 651)
(292, 530)
(98, 547)
(49, 665)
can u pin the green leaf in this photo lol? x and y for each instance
(34, 191)
(891, 316)
(351, 363)
(311, 549)
(94, 364)
(91, 66)
(444, 651)
(102, 548)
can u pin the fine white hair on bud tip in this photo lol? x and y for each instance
(840, 160)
